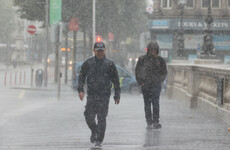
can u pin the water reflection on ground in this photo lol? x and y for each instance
(152, 138)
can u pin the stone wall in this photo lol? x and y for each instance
(198, 85)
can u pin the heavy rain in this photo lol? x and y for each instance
(115, 74)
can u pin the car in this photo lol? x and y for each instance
(127, 80)
(69, 62)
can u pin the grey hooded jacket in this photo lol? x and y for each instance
(150, 70)
(99, 75)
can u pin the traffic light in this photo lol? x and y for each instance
(98, 38)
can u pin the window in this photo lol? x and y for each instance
(166, 3)
(205, 3)
(214, 3)
(189, 3)
(228, 3)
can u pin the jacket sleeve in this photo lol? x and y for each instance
(138, 71)
(115, 81)
(82, 77)
(163, 70)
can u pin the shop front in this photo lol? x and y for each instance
(165, 32)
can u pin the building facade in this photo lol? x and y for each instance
(164, 25)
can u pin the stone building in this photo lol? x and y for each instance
(164, 24)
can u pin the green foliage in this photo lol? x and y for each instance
(125, 18)
(33, 10)
(81, 9)
(7, 21)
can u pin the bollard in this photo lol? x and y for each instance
(15, 79)
(20, 79)
(44, 75)
(220, 91)
(24, 77)
(5, 79)
(10, 78)
(31, 77)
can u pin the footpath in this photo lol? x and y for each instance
(60, 125)
(21, 76)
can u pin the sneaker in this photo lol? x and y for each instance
(93, 137)
(98, 145)
(149, 127)
(156, 125)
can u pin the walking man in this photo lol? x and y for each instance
(99, 73)
(150, 72)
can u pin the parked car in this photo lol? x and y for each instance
(128, 81)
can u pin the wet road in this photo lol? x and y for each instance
(37, 121)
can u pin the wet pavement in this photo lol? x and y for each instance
(59, 125)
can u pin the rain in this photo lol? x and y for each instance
(86, 74)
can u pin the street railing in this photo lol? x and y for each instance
(200, 82)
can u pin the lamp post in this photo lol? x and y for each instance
(94, 20)
(180, 44)
(207, 45)
(47, 45)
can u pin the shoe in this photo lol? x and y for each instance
(149, 127)
(93, 137)
(156, 125)
(98, 145)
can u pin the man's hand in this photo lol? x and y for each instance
(81, 95)
(117, 101)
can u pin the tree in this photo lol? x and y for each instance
(7, 21)
(33, 10)
(125, 18)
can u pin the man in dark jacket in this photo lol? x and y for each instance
(150, 72)
(99, 73)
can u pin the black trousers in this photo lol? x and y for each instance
(151, 94)
(97, 106)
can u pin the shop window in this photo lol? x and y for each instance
(214, 3)
(189, 3)
(166, 3)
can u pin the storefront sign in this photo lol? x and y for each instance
(164, 54)
(189, 24)
(159, 24)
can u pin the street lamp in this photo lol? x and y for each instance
(207, 45)
(47, 45)
(180, 44)
(94, 21)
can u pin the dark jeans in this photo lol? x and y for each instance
(97, 106)
(151, 94)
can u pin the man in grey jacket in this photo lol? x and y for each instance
(150, 72)
(99, 73)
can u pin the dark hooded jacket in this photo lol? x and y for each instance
(150, 70)
(99, 75)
